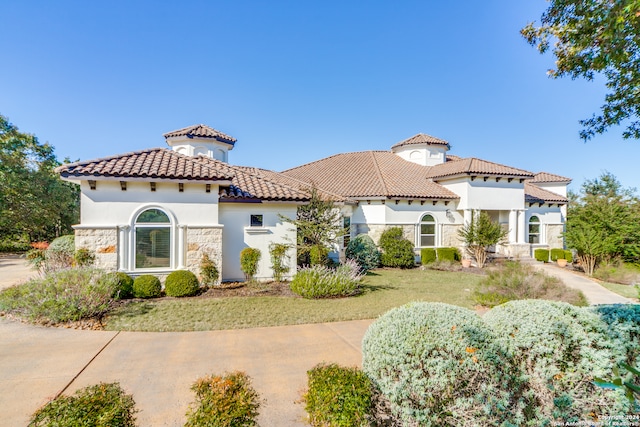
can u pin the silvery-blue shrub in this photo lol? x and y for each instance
(363, 250)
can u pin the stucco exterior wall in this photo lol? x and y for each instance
(103, 242)
(238, 234)
(487, 195)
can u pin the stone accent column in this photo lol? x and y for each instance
(102, 241)
(201, 240)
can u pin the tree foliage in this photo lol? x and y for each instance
(479, 235)
(319, 226)
(34, 202)
(603, 223)
(596, 37)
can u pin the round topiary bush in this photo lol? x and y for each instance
(124, 285)
(438, 364)
(397, 251)
(147, 286)
(181, 283)
(561, 349)
(363, 250)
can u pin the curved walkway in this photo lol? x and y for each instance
(38, 363)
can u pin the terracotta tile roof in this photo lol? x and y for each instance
(453, 158)
(473, 166)
(549, 177)
(421, 138)
(535, 194)
(155, 163)
(201, 131)
(257, 184)
(370, 174)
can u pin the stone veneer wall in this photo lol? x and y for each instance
(554, 235)
(103, 242)
(200, 240)
(375, 231)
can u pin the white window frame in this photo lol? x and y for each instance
(539, 233)
(133, 238)
(435, 230)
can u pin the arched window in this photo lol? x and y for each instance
(427, 231)
(153, 239)
(534, 229)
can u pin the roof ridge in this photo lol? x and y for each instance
(500, 164)
(379, 173)
(331, 157)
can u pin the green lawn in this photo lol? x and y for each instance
(626, 291)
(383, 290)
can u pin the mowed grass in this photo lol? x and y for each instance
(382, 290)
(627, 291)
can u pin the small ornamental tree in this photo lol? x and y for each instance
(208, 271)
(279, 260)
(249, 259)
(479, 234)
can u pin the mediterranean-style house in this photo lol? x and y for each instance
(159, 210)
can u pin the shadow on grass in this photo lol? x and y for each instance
(132, 309)
(368, 288)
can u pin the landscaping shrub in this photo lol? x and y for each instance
(65, 295)
(181, 283)
(101, 405)
(541, 255)
(618, 272)
(439, 365)
(83, 257)
(556, 253)
(249, 258)
(396, 250)
(363, 250)
(60, 253)
(427, 255)
(224, 401)
(279, 260)
(324, 282)
(623, 327)
(338, 396)
(147, 286)
(514, 281)
(560, 349)
(448, 254)
(124, 285)
(208, 271)
(13, 246)
(568, 255)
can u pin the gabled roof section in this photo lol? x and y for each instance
(474, 166)
(549, 177)
(154, 163)
(370, 174)
(201, 131)
(535, 194)
(253, 184)
(421, 138)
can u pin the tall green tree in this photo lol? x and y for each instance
(479, 235)
(589, 37)
(319, 228)
(603, 223)
(35, 204)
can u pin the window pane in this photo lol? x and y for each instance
(153, 215)
(427, 229)
(256, 220)
(427, 241)
(534, 228)
(428, 218)
(153, 247)
(534, 219)
(534, 238)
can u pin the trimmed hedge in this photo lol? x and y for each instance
(338, 396)
(147, 286)
(101, 405)
(224, 401)
(447, 254)
(427, 255)
(363, 250)
(438, 364)
(181, 283)
(557, 253)
(541, 255)
(568, 255)
(124, 285)
(397, 251)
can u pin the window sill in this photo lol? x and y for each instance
(257, 230)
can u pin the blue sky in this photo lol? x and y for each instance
(295, 81)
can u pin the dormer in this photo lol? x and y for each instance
(201, 140)
(422, 149)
